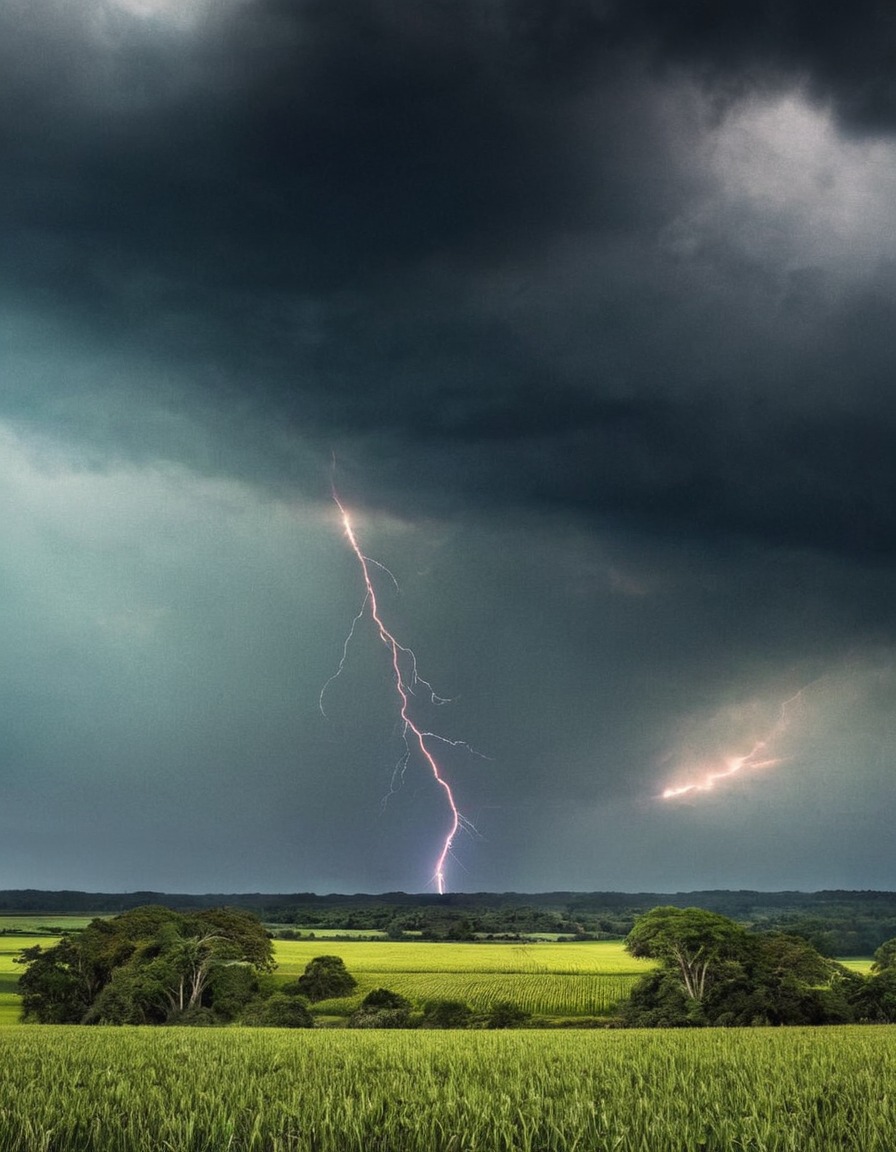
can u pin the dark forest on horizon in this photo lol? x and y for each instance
(837, 923)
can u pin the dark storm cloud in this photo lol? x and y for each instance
(292, 202)
(844, 53)
(285, 144)
(596, 297)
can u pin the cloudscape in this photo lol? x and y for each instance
(585, 307)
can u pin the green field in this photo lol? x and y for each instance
(243, 1090)
(10, 947)
(79, 1089)
(860, 964)
(608, 957)
(42, 924)
(546, 979)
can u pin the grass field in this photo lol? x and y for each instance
(364, 956)
(243, 1090)
(10, 947)
(861, 964)
(43, 924)
(546, 979)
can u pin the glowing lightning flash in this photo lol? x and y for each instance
(404, 687)
(756, 758)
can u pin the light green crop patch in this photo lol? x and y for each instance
(50, 923)
(10, 1008)
(858, 964)
(607, 957)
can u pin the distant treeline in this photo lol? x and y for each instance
(837, 923)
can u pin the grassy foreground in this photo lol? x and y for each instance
(140, 1090)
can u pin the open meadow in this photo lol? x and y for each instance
(67, 1089)
(546, 979)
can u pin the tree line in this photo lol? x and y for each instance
(835, 923)
(155, 965)
(712, 971)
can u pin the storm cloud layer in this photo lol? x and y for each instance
(593, 304)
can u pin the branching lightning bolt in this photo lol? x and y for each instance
(756, 758)
(405, 685)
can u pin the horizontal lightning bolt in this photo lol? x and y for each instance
(754, 760)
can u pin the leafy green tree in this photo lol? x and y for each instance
(325, 978)
(713, 972)
(873, 998)
(691, 940)
(135, 994)
(885, 956)
(659, 1000)
(149, 965)
(790, 982)
(184, 966)
(54, 986)
(242, 929)
(231, 987)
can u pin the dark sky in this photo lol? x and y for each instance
(594, 301)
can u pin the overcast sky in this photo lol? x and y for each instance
(594, 304)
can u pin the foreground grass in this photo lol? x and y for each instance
(136, 1090)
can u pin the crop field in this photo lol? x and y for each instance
(43, 924)
(608, 957)
(10, 947)
(547, 995)
(560, 980)
(245, 1090)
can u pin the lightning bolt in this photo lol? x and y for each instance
(757, 758)
(406, 678)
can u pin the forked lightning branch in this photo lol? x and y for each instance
(406, 679)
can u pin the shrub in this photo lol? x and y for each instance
(382, 1008)
(506, 1014)
(325, 978)
(281, 1011)
(446, 1014)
